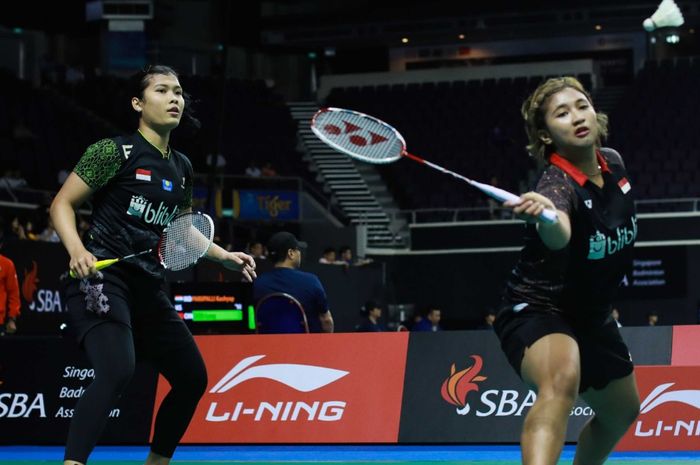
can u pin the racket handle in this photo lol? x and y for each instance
(547, 216)
(99, 265)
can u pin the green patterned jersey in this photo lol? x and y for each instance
(137, 193)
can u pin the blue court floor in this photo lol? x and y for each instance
(314, 454)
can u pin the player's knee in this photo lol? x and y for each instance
(564, 384)
(120, 375)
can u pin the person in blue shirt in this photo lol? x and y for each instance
(372, 312)
(431, 321)
(286, 251)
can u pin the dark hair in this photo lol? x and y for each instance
(328, 250)
(141, 79)
(345, 248)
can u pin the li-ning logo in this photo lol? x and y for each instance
(460, 383)
(354, 139)
(659, 396)
(302, 378)
(600, 245)
(140, 207)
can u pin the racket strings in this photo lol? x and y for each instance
(185, 240)
(360, 136)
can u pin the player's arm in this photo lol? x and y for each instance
(100, 162)
(72, 195)
(529, 207)
(327, 324)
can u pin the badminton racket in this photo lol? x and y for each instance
(371, 140)
(183, 242)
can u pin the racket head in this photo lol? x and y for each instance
(358, 135)
(185, 240)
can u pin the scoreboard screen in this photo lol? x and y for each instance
(215, 308)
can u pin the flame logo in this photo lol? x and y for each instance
(29, 284)
(460, 383)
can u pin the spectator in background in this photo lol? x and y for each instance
(49, 234)
(12, 179)
(252, 170)
(256, 250)
(62, 175)
(652, 318)
(431, 321)
(489, 318)
(329, 257)
(17, 230)
(29, 231)
(286, 252)
(616, 316)
(372, 312)
(346, 255)
(9, 293)
(268, 171)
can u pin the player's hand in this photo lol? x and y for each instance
(239, 261)
(530, 206)
(82, 264)
(11, 326)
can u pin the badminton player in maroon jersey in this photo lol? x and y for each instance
(555, 324)
(137, 184)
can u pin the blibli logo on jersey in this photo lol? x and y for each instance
(137, 205)
(142, 208)
(600, 245)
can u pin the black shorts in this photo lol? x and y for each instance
(125, 296)
(604, 355)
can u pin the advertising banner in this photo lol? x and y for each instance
(460, 388)
(669, 417)
(41, 380)
(265, 205)
(39, 266)
(300, 388)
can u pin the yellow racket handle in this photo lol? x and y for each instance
(99, 265)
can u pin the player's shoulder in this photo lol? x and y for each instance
(182, 159)
(106, 147)
(612, 156)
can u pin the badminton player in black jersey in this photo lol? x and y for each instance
(137, 184)
(555, 325)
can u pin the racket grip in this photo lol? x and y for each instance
(547, 216)
(99, 265)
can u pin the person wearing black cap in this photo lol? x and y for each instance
(285, 251)
(372, 312)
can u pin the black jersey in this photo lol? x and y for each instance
(138, 191)
(584, 276)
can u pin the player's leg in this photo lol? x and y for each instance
(110, 349)
(616, 407)
(552, 366)
(172, 350)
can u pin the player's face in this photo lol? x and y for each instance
(163, 103)
(570, 120)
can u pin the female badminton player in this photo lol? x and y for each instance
(555, 325)
(137, 184)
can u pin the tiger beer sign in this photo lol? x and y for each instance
(301, 388)
(669, 416)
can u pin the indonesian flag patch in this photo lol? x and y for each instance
(624, 185)
(143, 175)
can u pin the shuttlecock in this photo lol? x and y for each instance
(666, 15)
